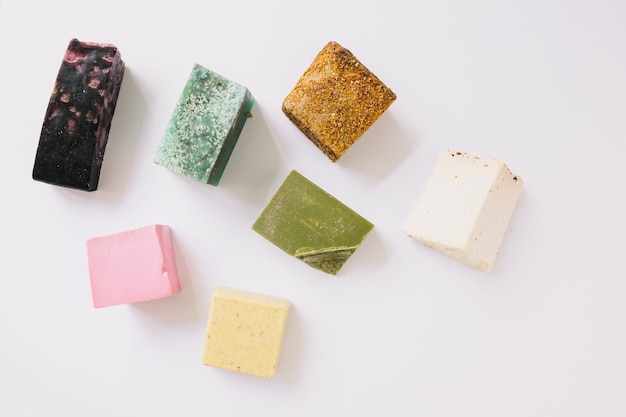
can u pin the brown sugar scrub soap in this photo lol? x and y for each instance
(336, 100)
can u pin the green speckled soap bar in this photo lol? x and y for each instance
(306, 222)
(204, 128)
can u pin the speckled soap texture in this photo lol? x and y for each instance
(465, 208)
(245, 331)
(336, 100)
(205, 126)
(307, 222)
(76, 127)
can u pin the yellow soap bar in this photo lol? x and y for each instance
(245, 331)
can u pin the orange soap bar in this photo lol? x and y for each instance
(336, 100)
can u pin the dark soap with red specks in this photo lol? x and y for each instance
(76, 127)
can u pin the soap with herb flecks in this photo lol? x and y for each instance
(465, 208)
(205, 126)
(245, 331)
(336, 100)
(76, 126)
(307, 222)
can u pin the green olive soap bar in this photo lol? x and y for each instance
(306, 222)
(204, 128)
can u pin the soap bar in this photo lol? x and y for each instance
(336, 100)
(245, 331)
(465, 208)
(205, 126)
(132, 266)
(76, 126)
(306, 222)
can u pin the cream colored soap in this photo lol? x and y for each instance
(245, 331)
(465, 208)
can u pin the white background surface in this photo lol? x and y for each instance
(401, 330)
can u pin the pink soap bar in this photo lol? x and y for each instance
(132, 266)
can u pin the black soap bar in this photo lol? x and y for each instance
(76, 127)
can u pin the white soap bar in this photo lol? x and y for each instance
(465, 208)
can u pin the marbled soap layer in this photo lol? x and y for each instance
(308, 223)
(77, 122)
(205, 126)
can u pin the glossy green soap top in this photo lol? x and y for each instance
(204, 127)
(307, 222)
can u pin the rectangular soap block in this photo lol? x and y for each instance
(76, 127)
(132, 266)
(205, 126)
(245, 331)
(336, 100)
(465, 208)
(307, 222)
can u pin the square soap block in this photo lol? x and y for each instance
(245, 331)
(132, 266)
(306, 222)
(336, 100)
(76, 126)
(465, 208)
(205, 126)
